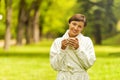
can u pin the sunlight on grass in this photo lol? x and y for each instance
(113, 40)
(107, 49)
(13, 68)
(41, 47)
(31, 62)
(105, 69)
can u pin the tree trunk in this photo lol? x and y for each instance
(29, 30)
(97, 34)
(36, 21)
(21, 22)
(32, 29)
(36, 27)
(97, 27)
(8, 23)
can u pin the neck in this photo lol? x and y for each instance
(70, 35)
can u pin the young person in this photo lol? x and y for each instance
(73, 53)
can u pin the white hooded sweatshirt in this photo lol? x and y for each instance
(72, 64)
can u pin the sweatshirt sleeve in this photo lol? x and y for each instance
(86, 54)
(57, 55)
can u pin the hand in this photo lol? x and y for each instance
(64, 44)
(73, 42)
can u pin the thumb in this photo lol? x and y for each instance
(76, 39)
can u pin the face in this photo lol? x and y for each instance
(75, 27)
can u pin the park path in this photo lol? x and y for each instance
(12, 42)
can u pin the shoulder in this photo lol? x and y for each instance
(56, 43)
(86, 38)
(86, 41)
(58, 40)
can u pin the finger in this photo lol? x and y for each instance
(65, 42)
(76, 39)
(73, 41)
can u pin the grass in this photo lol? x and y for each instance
(105, 69)
(25, 68)
(32, 63)
(114, 40)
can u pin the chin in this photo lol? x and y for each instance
(74, 35)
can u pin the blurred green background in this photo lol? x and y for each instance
(28, 28)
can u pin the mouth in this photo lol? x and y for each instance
(74, 31)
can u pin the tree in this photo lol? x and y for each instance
(97, 26)
(32, 27)
(98, 12)
(22, 18)
(44, 8)
(36, 17)
(8, 23)
(54, 17)
(110, 19)
(28, 21)
(107, 16)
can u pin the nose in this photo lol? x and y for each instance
(75, 27)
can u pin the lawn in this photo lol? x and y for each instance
(32, 63)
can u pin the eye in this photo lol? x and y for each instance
(79, 26)
(74, 24)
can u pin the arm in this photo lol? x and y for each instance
(57, 55)
(86, 54)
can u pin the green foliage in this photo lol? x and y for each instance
(15, 7)
(29, 2)
(55, 16)
(2, 30)
(116, 8)
(2, 9)
(100, 18)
